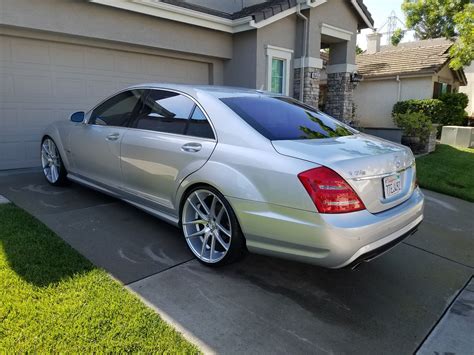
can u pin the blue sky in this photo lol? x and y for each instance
(380, 10)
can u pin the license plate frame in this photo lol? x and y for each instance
(392, 185)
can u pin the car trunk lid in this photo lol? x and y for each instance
(370, 165)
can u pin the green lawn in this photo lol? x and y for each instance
(53, 300)
(448, 170)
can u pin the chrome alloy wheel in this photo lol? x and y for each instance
(206, 226)
(50, 160)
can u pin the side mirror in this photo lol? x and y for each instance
(78, 116)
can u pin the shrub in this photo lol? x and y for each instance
(432, 108)
(455, 105)
(447, 110)
(414, 124)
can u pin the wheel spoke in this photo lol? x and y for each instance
(54, 173)
(220, 214)
(213, 246)
(212, 211)
(202, 215)
(46, 149)
(44, 154)
(221, 242)
(196, 234)
(204, 243)
(52, 149)
(202, 203)
(219, 226)
(196, 221)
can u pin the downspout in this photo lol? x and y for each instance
(399, 87)
(305, 48)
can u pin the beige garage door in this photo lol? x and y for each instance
(44, 81)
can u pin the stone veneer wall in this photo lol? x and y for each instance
(339, 96)
(311, 85)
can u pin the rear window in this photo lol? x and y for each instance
(282, 118)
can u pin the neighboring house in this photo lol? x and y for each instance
(413, 70)
(469, 89)
(59, 56)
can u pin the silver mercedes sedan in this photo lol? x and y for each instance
(242, 170)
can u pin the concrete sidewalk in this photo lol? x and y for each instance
(266, 305)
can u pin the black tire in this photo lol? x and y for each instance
(62, 179)
(237, 249)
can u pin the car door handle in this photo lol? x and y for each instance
(191, 147)
(113, 136)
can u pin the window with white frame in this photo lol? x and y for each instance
(278, 69)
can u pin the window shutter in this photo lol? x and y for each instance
(436, 90)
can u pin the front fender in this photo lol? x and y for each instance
(59, 132)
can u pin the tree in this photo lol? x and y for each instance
(397, 37)
(359, 50)
(432, 18)
(444, 18)
(462, 52)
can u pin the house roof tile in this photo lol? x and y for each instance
(427, 56)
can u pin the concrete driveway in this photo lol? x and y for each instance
(266, 305)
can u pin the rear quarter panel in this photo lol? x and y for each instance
(254, 174)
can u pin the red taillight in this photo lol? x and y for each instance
(329, 191)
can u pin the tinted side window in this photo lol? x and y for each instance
(198, 125)
(279, 118)
(165, 111)
(116, 111)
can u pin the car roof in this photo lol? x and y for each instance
(214, 90)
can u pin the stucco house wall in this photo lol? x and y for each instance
(336, 13)
(279, 34)
(242, 70)
(81, 18)
(469, 89)
(374, 99)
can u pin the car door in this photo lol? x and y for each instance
(95, 145)
(169, 139)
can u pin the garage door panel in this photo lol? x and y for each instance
(5, 49)
(33, 85)
(30, 51)
(9, 119)
(69, 56)
(6, 86)
(36, 119)
(100, 59)
(43, 81)
(128, 63)
(67, 87)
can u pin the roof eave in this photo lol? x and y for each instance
(365, 15)
(202, 19)
(422, 73)
(180, 14)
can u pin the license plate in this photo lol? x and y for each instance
(392, 185)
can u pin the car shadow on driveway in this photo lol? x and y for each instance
(123, 240)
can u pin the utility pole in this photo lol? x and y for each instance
(391, 26)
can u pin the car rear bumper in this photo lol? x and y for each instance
(329, 240)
